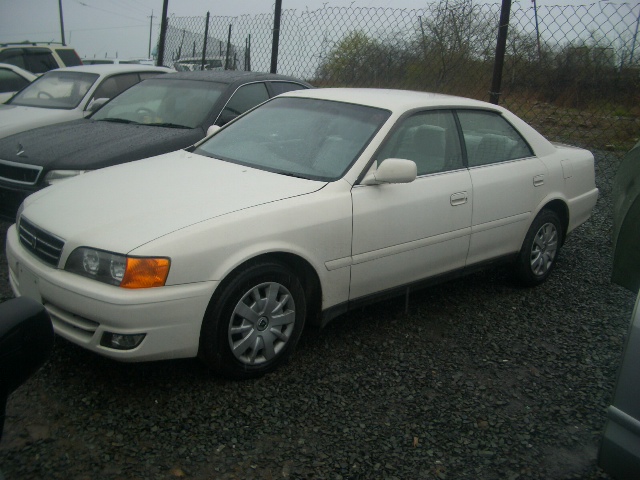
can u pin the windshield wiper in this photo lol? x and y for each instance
(167, 125)
(116, 120)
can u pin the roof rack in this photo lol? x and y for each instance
(27, 42)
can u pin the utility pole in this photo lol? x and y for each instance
(150, 31)
(501, 45)
(163, 33)
(61, 22)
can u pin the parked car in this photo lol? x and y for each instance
(69, 93)
(619, 452)
(39, 57)
(192, 64)
(158, 115)
(110, 61)
(315, 202)
(12, 79)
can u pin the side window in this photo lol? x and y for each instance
(112, 86)
(39, 60)
(246, 97)
(11, 81)
(69, 57)
(489, 138)
(429, 138)
(282, 87)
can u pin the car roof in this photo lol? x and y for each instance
(109, 68)
(231, 76)
(393, 100)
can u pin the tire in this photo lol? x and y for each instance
(540, 249)
(254, 324)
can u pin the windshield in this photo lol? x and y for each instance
(314, 139)
(62, 90)
(169, 103)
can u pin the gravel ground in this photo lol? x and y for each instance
(480, 379)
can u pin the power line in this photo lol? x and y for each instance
(127, 5)
(107, 11)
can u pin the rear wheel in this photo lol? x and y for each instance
(540, 249)
(254, 324)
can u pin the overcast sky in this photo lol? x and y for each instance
(110, 28)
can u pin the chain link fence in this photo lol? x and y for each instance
(572, 72)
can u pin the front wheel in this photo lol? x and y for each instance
(255, 322)
(539, 252)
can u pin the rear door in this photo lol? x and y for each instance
(509, 182)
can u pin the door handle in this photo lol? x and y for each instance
(459, 198)
(538, 180)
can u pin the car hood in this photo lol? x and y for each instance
(15, 118)
(123, 207)
(88, 145)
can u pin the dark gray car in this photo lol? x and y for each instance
(156, 116)
(620, 448)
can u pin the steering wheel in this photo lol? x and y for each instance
(42, 94)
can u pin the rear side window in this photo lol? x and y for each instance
(282, 87)
(112, 86)
(489, 138)
(145, 75)
(246, 97)
(11, 81)
(69, 57)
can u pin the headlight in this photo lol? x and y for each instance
(18, 213)
(119, 270)
(55, 176)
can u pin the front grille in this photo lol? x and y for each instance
(19, 172)
(43, 245)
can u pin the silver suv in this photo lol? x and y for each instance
(38, 57)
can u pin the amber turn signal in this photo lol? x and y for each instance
(145, 272)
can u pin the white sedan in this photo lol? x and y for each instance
(68, 94)
(313, 203)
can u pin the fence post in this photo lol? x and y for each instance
(505, 11)
(276, 36)
(163, 33)
(227, 57)
(204, 43)
(247, 54)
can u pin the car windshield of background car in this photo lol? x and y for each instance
(301, 137)
(163, 103)
(61, 90)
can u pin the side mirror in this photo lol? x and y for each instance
(96, 104)
(392, 170)
(26, 340)
(213, 129)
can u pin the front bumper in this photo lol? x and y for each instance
(82, 310)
